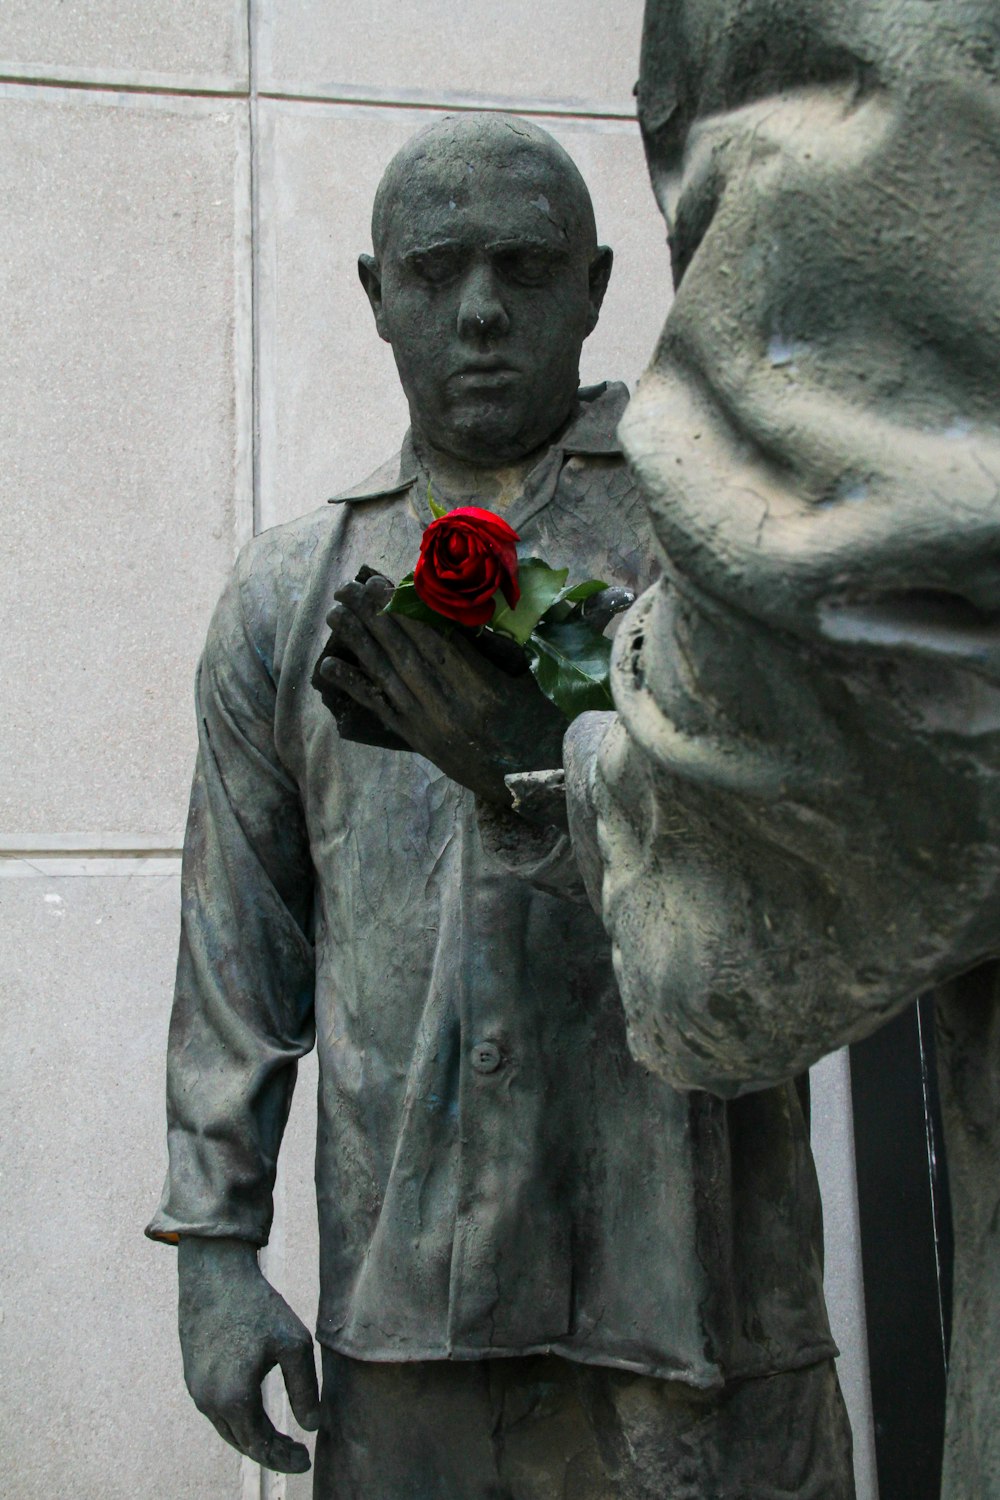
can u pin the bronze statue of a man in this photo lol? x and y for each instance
(544, 1272)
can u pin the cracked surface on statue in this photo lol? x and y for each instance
(800, 803)
(544, 1271)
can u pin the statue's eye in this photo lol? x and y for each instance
(435, 267)
(526, 265)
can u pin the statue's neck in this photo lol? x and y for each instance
(454, 482)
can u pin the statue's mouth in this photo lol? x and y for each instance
(485, 373)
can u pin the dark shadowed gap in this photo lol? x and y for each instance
(906, 1248)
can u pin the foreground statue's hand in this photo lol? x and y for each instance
(234, 1327)
(447, 701)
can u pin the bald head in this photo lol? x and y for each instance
(486, 279)
(461, 151)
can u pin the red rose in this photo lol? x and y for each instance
(465, 557)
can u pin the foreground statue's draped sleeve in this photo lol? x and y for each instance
(800, 804)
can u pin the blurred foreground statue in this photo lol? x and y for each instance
(799, 805)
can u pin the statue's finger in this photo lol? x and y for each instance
(387, 657)
(256, 1436)
(378, 591)
(600, 609)
(353, 634)
(282, 1454)
(366, 600)
(342, 609)
(340, 674)
(299, 1370)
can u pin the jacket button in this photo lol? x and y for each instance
(486, 1057)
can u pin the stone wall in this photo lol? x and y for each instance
(190, 358)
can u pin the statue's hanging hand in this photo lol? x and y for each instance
(234, 1328)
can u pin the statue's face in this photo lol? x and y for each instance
(486, 293)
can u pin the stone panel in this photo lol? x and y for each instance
(94, 1401)
(331, 407)
(833, 1149)
(124, 442)
(561, 54)
(177, 43)
(291, 1260)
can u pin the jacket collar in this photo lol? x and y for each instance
(593, 432)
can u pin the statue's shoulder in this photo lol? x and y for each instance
(287, 545)
(275, 569)
(282, 555)
(272, 567)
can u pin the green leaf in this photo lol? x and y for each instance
(437, 511)
(540, 587)
(406, 601)
(571, 663)
(567, 604)
(581, 591)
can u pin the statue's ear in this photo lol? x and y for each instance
(371, 279)
(600, 275)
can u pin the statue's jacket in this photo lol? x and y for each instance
(496, 1175)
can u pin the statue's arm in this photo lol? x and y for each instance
(242, 1017)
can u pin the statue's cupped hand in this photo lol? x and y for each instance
(440, 695)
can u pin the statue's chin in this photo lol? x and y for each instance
(490, 432)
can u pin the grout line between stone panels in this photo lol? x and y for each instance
(457, 102)
(257, 1483)
(54, 855)
(244, 351)
(552, 109)
(864, 1439)
(109, 86)
(255, 377)
(37, 855)
(21, 844)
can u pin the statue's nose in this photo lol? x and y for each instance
(481, 311)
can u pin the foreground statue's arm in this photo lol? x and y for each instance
(242, 1016)
(799, 806)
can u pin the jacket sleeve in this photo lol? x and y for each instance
(243, 1003)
